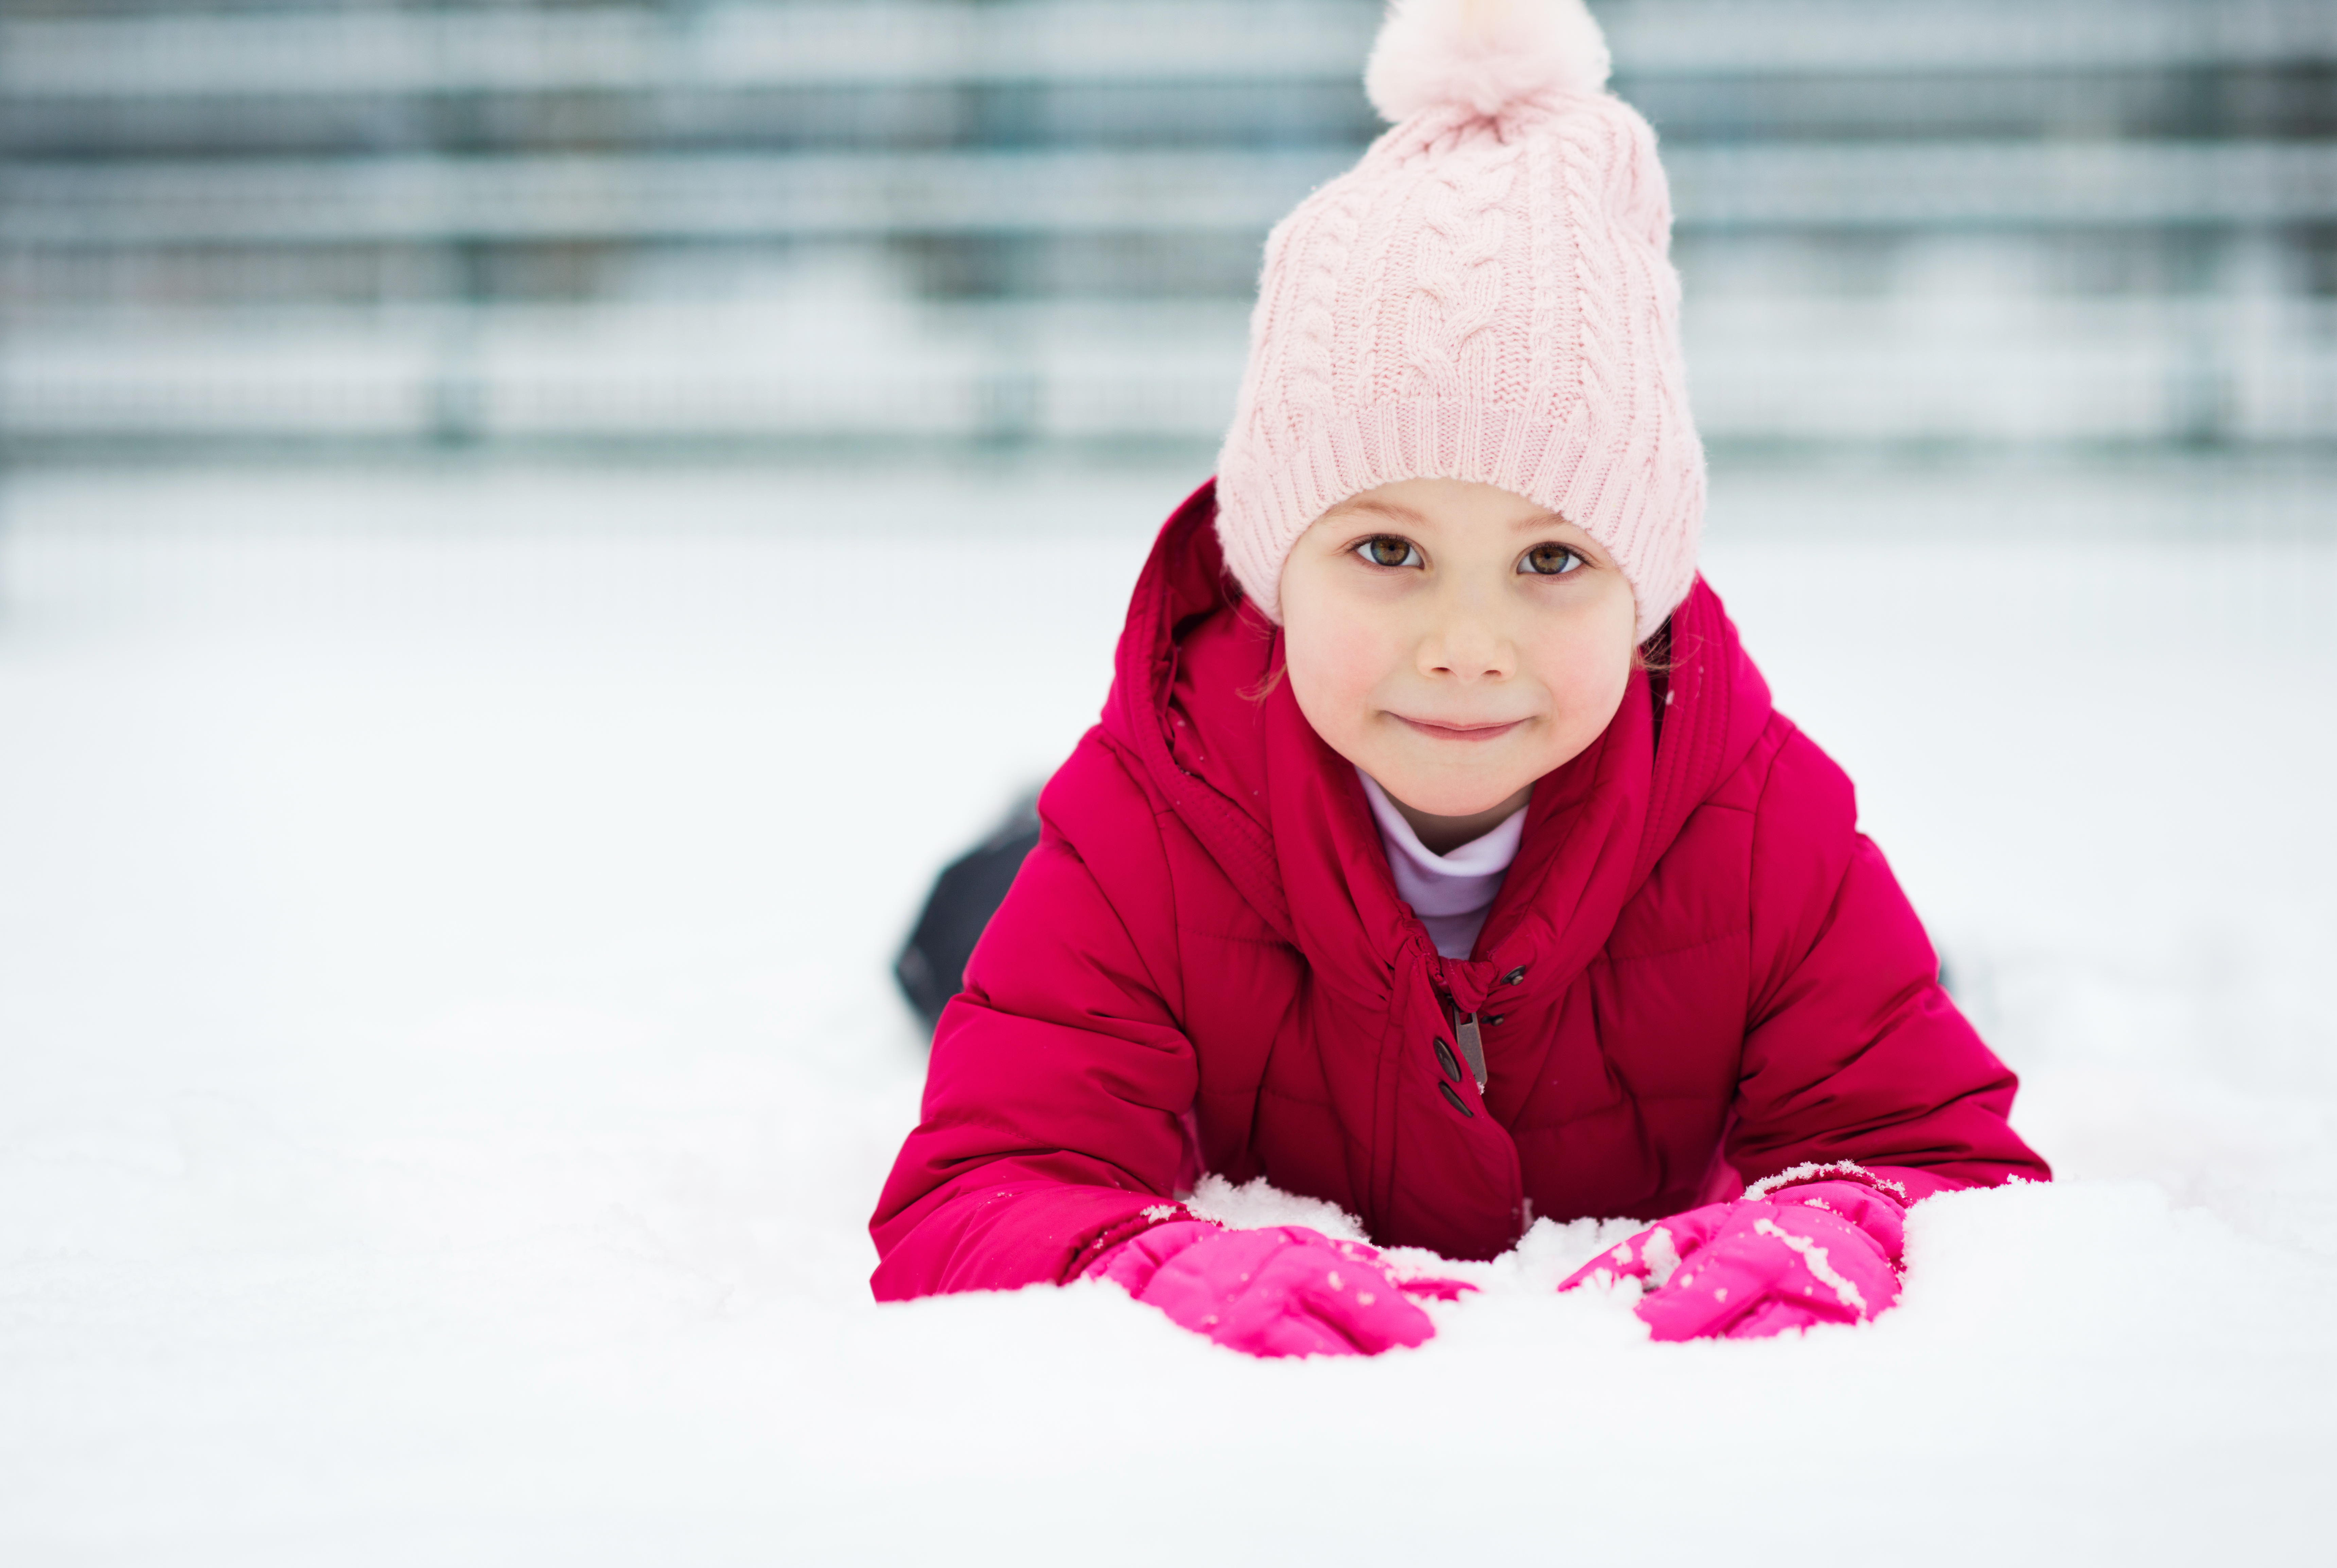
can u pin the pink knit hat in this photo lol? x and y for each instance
(1488, 294)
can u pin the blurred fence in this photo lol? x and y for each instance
(1943, 225)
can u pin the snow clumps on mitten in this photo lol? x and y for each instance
(1283, 1291)
(1822, 1252)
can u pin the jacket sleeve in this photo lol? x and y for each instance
(1051, 1124)
(1853, 1049)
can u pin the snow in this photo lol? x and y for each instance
(1814, 1256)
(446, 1056)
(1810, 1170)
(1256, 1205)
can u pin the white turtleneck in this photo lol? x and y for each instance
(1450, 893)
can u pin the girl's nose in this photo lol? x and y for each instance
(1466, 648)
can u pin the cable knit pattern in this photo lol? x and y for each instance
(1448, 345)
(1485, 296)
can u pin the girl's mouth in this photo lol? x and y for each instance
(1471, 731)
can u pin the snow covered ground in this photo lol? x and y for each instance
(446, 1056)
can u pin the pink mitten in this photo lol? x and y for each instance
(1286, 1291)
(1822, 1252)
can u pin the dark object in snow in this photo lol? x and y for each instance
(931, 966)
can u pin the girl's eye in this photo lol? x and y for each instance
(1387, 549)
(1550, 560)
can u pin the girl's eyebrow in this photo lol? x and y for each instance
(1396, 511)
(1393, 510)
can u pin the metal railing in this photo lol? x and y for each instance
(641, 49)
(1961, 221)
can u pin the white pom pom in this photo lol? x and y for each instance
(1482, 54)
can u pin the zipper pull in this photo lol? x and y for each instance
(1472, 1047)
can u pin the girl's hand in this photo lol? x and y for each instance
(1286, 1291)
(1822, 1253)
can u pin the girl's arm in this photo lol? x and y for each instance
(1051, 1128)
(1853, 1051)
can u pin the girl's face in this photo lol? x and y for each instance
(1454, 641)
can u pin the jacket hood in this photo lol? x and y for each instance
(1195, 701)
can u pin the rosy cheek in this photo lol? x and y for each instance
(1334, 671)
(1344, 658)
(1359, 656)
(1586, 670)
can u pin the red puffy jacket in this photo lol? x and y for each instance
(1205, 965)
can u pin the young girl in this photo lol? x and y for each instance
(1438, 853)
